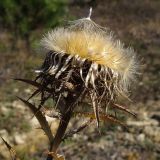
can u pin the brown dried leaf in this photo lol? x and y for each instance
(41, 118)
(35, 84)
(11, 150)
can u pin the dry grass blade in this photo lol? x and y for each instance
(35, 84)
(123, 109)
(11, 150)
(41, 118)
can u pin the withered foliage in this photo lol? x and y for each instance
(83, 65)
(70, 82)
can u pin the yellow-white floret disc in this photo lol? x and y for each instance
(87, 40)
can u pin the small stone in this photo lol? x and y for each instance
(19, 138)
(129, 137)
(141, 137)
(4, 110)
(153, 132)
(149, 130)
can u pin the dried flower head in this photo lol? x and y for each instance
(86, 54)
(84, 63)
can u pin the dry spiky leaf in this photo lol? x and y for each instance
(11, 150)
(75, 131)
(117, 106)
(35, 84)
(41, 118)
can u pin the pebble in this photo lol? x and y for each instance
(20, 138)
(129, 137)
(4, 110)
(141, 137)
(153, 132)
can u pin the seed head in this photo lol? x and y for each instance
(84, 54)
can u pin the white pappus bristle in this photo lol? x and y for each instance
(87, 40)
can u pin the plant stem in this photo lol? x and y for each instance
(71, 100)
(60, 133)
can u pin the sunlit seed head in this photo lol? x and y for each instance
(90, 41)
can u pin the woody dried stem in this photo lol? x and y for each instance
(60, 133)
(71, 101)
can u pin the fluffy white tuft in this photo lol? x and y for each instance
(90, 41)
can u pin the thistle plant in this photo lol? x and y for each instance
(84, 63)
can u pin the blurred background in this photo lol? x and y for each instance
(23, 24)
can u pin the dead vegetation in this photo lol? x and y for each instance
(137, 24)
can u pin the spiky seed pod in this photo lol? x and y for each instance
(84, 54)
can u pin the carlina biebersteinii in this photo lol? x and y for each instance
(84, 63)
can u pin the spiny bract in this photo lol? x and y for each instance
(86, 40)
(85, 54)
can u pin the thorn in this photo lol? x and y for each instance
(35, 84)
(10, 149)
(123, 109)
